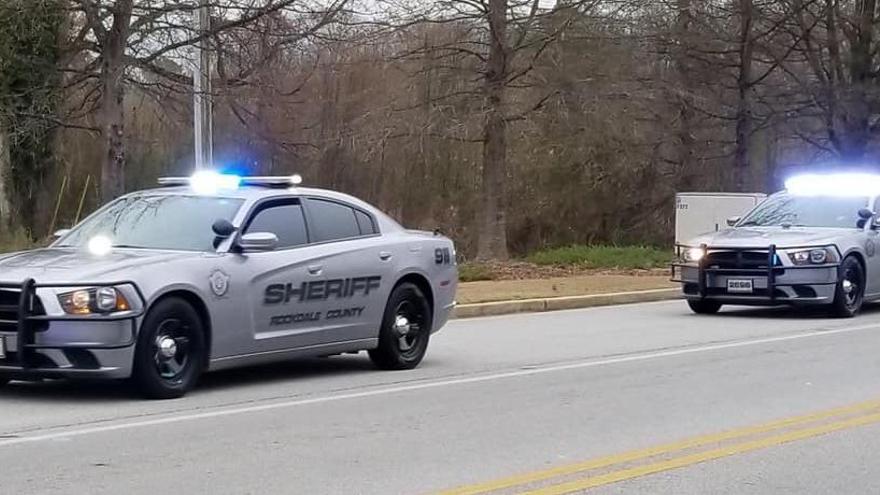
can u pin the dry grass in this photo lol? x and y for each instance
(16, 240)
(503, 290)
(521, 270)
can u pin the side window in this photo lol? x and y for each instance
(285, 220)
(365, 223)
(331, 221)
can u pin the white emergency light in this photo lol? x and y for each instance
(100, 245)
(834, 184)
(210, 182)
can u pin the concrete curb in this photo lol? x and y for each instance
(568, 302)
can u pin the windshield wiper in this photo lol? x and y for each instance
(750, 223)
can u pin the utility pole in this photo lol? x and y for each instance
(203, 121)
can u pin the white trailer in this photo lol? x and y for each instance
(698, 213)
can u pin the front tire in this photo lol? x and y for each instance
(171, 351)
(849, 294)
(704, 306)
(406, 329)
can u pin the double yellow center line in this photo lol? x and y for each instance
(679, 454)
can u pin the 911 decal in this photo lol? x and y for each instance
(442, 256)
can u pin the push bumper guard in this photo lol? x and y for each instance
(30, 323)
(772, 271)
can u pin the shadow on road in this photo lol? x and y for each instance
(288, 370)
(787, 312)
(68, 391)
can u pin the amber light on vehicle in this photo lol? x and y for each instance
(100, 300)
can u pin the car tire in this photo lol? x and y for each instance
(405, 331)
(849, 294)
(4, 381)
(704, 306)
(171, 350)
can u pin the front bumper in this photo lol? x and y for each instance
(68, 346)
(773, 284)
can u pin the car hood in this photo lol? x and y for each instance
(765, 236)
(63, 265)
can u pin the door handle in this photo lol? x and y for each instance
(315, 269)
(384, 256)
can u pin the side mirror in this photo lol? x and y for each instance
(258, 241)
(223, 228)
(60, 233)
(733, 221)
(867, 220)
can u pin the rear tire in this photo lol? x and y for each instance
(849, 294)
(406, 329)
(4, 381)
(703, 306)
(171, 351)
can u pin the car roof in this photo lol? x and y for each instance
(248, 192)
(252, 193)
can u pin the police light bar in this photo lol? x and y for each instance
(834, 184)
(207, 181)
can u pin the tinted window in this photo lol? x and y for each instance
(332, 221)
(284, 220)
(365, 223)
(159, 221)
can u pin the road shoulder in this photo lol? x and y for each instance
(490, 298)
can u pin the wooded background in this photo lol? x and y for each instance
(510, 125)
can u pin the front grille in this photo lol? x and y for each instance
(9, 299)
(740, 260)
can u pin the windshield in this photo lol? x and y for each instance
(156, 222)
(806, 211)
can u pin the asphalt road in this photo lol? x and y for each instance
(630, 399)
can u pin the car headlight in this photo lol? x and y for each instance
(99, 300)
(692, 255)
(814, 256)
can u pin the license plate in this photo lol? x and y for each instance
(740, 286)
(2, 347)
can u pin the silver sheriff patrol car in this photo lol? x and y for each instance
(815, 243)
(215, 271)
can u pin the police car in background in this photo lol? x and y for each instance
(216, 271)
(814, 243)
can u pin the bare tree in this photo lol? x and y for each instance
(502, 41)
(744, 127)
(492, 242)
(686, 91)
(508, 125)
(124, 36)
(830, 57)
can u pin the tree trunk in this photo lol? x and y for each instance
(4, 177)
(492, 236)
(686, 142)
(856, 125)
(744, 125)
(112, 113)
